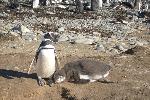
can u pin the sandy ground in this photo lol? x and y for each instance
(130, 73)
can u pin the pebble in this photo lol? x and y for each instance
(100, 47)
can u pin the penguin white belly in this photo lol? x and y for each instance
(93, 77)
(46, 63)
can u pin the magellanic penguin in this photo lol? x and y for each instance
(45, 59)
(83, 71)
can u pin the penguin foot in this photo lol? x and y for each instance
(50, 82)
(41, 81)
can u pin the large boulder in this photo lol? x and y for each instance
(24, 32)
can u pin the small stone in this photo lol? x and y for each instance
(121, 47)
(132, 41)
(61, 29)
(13, 33)
(23, 29)
(97, 34)
(100, 47)
(124, 76)
(113, 51)
(45, 20)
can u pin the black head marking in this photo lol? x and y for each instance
(47, 36)
(52, 36)
(44, 43)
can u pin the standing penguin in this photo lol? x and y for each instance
(46, 60)
(82, 71)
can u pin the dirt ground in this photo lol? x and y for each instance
(130, 73)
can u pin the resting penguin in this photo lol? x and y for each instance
(83, 71)
(46, 60)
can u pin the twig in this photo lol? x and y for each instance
(31, 65)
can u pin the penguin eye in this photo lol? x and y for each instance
(47, 36)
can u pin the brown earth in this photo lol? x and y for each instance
(130, 73)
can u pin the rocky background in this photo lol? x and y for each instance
(116, 36)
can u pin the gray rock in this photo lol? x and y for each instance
(113, 51)
(121, 47)
(84, 41)
(24, 32)
(3, 14)
(132, 40)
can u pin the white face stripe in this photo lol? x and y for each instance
(47, 46)
(46, 39)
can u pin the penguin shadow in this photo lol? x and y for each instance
(11, 74)
(88, 82)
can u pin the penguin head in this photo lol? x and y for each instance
(51, 36)
(59, 76)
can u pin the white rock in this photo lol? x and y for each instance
(35, 3)
(61, 6)
(45, 20)
(84, 41)
(24, 29)
(61, 29)
(13, 33)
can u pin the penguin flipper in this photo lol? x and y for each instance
(105, 80)
(57, 65)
